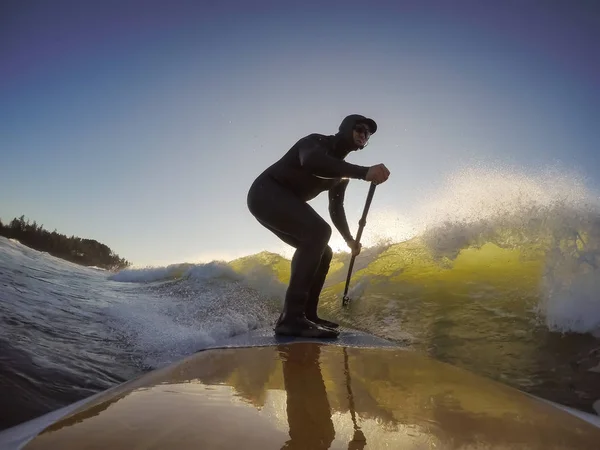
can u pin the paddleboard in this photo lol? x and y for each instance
(259, 391)
(262, 337)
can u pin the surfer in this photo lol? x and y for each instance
(278, 200)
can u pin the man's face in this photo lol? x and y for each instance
(361, 135)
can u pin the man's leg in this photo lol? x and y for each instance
(316, 288)
(297, 224)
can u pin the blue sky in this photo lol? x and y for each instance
(142, 124)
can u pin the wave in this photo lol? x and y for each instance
(182, 308)
(151, 274)
(550, 217)
(534, 234)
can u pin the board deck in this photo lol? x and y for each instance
(265, 336)
(260, 391)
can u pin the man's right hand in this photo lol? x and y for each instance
(378, 174)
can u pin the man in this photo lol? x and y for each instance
(278, 200)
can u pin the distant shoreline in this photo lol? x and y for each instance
(85, 252)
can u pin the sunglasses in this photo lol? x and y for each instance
(363, 129)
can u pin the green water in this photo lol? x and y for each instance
(480, 307)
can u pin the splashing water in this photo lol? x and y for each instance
(550, 215)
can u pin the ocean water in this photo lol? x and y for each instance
(498, 273)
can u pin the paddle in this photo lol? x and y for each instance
(361, 226)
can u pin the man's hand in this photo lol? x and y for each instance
(355, 247)
(378, 174)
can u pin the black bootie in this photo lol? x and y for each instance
(293, 321)
(311, 314)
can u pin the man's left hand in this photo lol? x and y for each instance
(355, 247)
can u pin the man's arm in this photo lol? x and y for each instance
(336, 209)
(314, 157)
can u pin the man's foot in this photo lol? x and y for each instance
(324, 323)
(303, 327)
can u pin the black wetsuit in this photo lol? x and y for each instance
(278, 199)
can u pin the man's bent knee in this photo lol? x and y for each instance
(327, 255)
(322, 235)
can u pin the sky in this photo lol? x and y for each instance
(143, 124)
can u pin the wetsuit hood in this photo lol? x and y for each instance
(348, 124)
(350, 121)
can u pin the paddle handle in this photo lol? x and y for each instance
(361, 225)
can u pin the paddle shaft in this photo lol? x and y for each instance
(361, 225)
